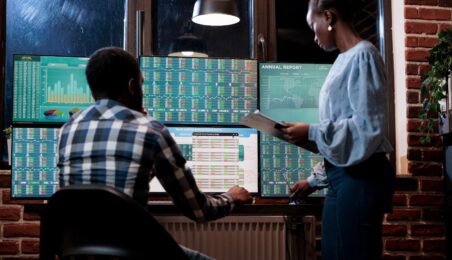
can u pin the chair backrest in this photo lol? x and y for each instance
(102, 222)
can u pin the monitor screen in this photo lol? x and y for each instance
(288, 92)
(218, 157)
(49, 88)
(199, 90)
(34, 159)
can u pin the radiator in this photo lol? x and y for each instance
(246, 237)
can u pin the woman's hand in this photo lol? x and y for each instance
(296, 133)
(301, 188)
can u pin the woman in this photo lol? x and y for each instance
(350, 136)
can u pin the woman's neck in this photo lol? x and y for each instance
(346, 37)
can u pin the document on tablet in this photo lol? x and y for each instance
(269, 126)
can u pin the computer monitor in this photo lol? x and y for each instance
(34, 160)
(49, 88)
(218, 157)
(288, 92)
(199, 90)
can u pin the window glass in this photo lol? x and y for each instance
(173, 17)
(59, 27)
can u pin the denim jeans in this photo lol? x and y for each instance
(357, 198)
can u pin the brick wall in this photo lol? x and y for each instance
(415, 230)
(19, 227)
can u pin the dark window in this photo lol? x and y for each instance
(59, 27)
(233, 41)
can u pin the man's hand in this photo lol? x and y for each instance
(301, 188)
(240, 195)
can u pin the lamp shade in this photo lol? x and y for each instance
(188, 45)
(215, 12)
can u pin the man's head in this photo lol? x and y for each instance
(113, 73)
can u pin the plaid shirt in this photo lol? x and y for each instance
(113, 145)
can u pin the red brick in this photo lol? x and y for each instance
(5, 180)
(395, 230)
(425, 168)
(421, 28)
(414, 154)
(413, 125)
(30, 246)
(427, 257)
(432, 185)
(411, 13)
(404, 215)
(402, 245)
(425, 155)
(433, 214)
(445, 3)
(428, 42)
(399, 200)
(417, 55)
(406, 184)
(22, 258)
(424, 68)
(31, 216)
(433, 155)
(9, 247)
(413, 82)
(393, 257)
(414, 140)
(434, 14)
(426, 200)
(421, 2)
(436, 245)
(21, 230)
(427, 230)
(411, 41)
(412, 97)
(444, 26)
(9, 213)
(412, 69)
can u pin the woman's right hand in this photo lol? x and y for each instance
(296, 133)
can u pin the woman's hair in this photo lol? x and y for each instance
(347, 9)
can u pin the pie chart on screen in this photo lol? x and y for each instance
(53, 114)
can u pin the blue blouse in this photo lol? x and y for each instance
(353, 108)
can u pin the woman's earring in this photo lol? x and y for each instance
(330, 28)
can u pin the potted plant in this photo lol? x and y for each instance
(434, 87)
(8, 132)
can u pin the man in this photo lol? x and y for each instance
(114, 143)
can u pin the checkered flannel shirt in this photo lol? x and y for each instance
(113, 145)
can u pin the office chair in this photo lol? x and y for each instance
(100, 222)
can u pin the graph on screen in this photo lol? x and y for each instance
(49, 88)
(288, 92)
(199, 90)
(33, 169)
(218, 157)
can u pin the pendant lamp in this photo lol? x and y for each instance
(215, 12)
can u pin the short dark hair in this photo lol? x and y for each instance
(109, 71)
(347, 9)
